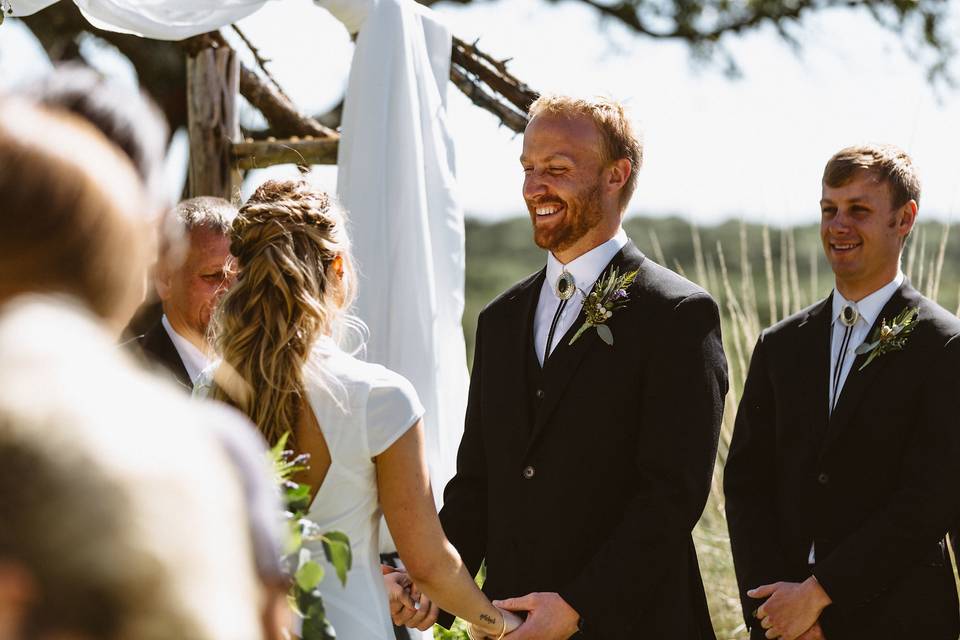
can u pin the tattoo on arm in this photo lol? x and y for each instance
(487, 618)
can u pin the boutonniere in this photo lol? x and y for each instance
(890, 337)
(608, 295)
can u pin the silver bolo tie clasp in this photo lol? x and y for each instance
(565, 285)
(849, 315)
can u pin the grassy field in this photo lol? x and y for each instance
(757, 275)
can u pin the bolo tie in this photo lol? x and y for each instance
(848, 318)
(564, 288)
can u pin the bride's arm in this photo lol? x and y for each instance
(430, 559)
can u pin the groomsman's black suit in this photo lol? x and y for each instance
(157, 348)
(586, 477)
(875, 486)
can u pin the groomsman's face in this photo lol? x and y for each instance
(863, 233)
(563, 168)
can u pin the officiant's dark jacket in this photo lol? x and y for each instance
(586, 477)
(875, 486)
(157, 351)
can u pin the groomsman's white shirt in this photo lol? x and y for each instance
(194, 360)
(585, 271)
(869, 309)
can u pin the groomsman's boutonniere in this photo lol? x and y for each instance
(608, 295)
(890, 337)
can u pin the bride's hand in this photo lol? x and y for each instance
(513, 621)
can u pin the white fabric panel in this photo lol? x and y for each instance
(28, 7)
(396, 177)
(157, 19)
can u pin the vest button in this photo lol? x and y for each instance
(823, 478)
(529, 472)
(540, 394)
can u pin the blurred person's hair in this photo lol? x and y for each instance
(70, 220)
(618, 136)
(126, 116)
(285, 239)
(120, 507)
(887, 164)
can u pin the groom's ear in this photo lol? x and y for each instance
(618, 172)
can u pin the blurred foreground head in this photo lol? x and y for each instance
(70, 220)
(127, 117)
(122, 516)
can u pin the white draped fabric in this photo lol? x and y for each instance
(396, 177)
(157, 19)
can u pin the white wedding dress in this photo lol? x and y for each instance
(361, 409)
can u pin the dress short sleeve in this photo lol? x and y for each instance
(392, 408)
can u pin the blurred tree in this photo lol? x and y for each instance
(705, 25)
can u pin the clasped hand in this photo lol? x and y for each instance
(791, 610)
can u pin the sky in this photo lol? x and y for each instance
(715, 148)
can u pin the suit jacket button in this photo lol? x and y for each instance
(823, 478)
(539, 394)
(529, 472)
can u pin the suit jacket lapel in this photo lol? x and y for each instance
(565, 359)
(815, 380)
(859, 381)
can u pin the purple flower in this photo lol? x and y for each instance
(619, 294)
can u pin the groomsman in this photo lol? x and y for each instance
(591, 431)
(842, 477)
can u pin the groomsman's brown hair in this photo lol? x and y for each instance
(887, 163)
(619, 138)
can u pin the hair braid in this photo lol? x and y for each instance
(285, 238)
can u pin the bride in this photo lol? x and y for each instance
(277, 331)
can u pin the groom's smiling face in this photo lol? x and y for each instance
(562, 165)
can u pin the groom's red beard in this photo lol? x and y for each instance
(580, 214)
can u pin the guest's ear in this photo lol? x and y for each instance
(337, 266)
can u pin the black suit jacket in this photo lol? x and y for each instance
(875, 485)
(595, 492)
(157, 350)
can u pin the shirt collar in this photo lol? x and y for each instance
(871, 305)
(194, 360)
(586, 268)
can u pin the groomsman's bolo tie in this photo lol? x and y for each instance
(848, 318)
(564, 288)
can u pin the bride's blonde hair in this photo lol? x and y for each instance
(286, 239)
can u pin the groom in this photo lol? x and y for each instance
(842, 476)
(591, 433)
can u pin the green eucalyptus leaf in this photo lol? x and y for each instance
(336, 546)
(309, 575)
(605, 334)
(866, 347)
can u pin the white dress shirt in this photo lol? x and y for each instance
(869, 309)
(194, 360)
(585, 270)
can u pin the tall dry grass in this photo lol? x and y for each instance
(742, 324)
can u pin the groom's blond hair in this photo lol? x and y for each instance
(618, 137)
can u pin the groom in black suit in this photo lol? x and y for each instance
(843, 476)
(588, 449)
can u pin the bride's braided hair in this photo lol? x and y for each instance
(285, 238)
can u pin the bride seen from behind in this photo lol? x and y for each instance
(276, 331)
